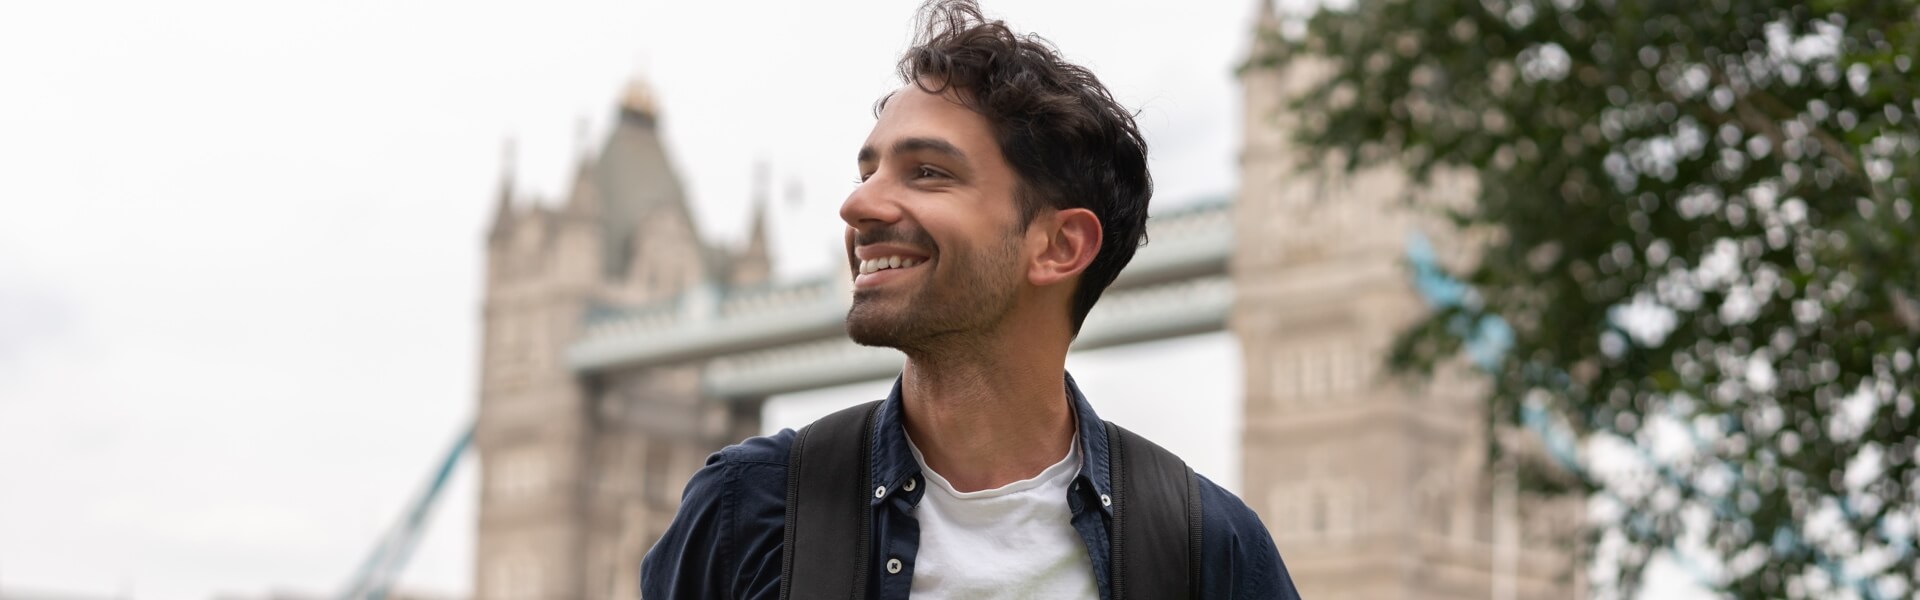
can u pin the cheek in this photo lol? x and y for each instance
(962, 233)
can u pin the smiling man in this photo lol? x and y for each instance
(1001, 190)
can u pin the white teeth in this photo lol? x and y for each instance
(873, 265)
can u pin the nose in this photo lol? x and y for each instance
(873, 203)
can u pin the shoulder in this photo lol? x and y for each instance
(749, 478)
(1228, 516)
(761, 450)
(725, 539)
(742, 478)
(1240, 558)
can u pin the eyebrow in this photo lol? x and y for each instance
(917, 144)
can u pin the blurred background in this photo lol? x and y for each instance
(446, 300)
(242, 256)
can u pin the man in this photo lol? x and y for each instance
(1001, 190)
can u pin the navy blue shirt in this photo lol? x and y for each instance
(726, 541)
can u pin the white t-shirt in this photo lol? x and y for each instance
(1015, 541)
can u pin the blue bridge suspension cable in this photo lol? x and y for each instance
(382, 568)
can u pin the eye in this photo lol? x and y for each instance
(862, 178)
(926, 171)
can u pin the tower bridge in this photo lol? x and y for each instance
(770, 340)
(620, 350)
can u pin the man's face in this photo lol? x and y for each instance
(933, 234)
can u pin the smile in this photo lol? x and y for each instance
(874, 265)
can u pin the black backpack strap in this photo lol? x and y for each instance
(827, 499)
(1155, 538)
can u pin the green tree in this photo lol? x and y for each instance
(1702, 238)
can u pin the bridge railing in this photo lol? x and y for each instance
(1190, 244)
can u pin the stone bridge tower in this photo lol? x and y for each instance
(579, 475)
(1373, 487)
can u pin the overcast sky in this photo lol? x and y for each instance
(240, 244)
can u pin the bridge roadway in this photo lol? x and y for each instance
(761, 342)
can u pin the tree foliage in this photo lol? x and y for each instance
(1704, 243)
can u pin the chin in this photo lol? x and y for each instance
(870, 325)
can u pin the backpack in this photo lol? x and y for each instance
(1154, 541)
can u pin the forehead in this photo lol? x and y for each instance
(911, 112)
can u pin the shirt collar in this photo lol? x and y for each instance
(893, 463)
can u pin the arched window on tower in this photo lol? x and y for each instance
(1319, 511)
(515, 577)
(657, 483)
(518, 473)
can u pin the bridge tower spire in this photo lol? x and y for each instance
(503, 195)
(580, 472)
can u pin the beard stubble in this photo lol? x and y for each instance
(969, 291)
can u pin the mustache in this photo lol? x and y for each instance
(910, 236)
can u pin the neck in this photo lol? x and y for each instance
(985, 419)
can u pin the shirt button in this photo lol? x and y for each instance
(880, 492)
(893, 566)
(909, 485)
(1106, 500)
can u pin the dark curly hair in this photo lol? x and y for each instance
(1072, 144)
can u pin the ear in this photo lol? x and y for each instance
(1072, 240)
